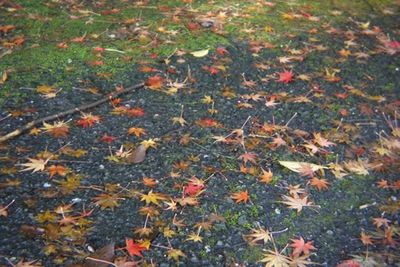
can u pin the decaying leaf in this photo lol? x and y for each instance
(138, 155)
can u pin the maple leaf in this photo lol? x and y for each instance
(366, 239)
(249, 156)
(296, 202)
(154, 82)
(320, 184)
(195, 187)
(322, 141)
(208, 123)
(275, 259)
(301, 247)
(134, 248)
(179, 120)
(107, 201)
(295, 190)
(175, 254)
(258, 235)
(107, 138)
(57, 129)
(266, 176)
(195, 237)
(88, 120)
(359, 166)
(143, 231)
(150, 182)
(57, 169)
(35, 165)
(136, 131)
(149, 143)
(285, 76)
(242, 196)
(134, 112)
(151, 197)
(378, 222)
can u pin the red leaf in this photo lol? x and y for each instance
(285, 76)
(301, 247)
(208, 123)
(98, 49)
(135, 112)
(155, 82)
(192, 26)
(88, 120)
(107, 138)
(349, 263)
(192, 189)
(134, 248)
(221, 51)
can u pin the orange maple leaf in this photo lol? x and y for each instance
(155, 82)
(88, 120)
(242, 196)
(320, 184)
(136, 131)
(134, 248)
(249, 156)
(301, 247)
(57, 169)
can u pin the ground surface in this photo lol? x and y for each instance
(261, 124)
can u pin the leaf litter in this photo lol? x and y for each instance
(224, 143)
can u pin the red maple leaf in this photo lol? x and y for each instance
(285, 76)
(135, 112)
(222, 51)
(208, 123)
(88, 120)
(134, 248)
(107, 138)
(349, 263)
(193, 189)
(301, 247)
(155, 82)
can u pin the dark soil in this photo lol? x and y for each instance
(347, 207)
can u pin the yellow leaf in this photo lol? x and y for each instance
(200, 53)
(297, 166)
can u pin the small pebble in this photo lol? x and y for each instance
(329, 232)
(46, 185)
(101, 167)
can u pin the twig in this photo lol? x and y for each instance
(103, 261)
(2, 119)
(31, 124)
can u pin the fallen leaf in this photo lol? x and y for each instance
(138, 155)
(297, 166)
(242, 196)
(134, 249)
(299, 247)
(200, 53)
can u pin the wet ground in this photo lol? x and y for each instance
(220, 114)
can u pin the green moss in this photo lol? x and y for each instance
(231, 218)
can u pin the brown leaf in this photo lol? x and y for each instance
(138, 154)
(105, 253)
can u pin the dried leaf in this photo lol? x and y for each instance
(138, 155)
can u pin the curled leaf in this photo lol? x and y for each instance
(138, 154)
